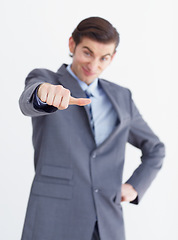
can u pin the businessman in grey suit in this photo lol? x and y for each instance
(81, 124)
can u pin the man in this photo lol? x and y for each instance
(81, 125)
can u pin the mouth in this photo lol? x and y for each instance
(87, 72)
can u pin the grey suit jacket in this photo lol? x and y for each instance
(76, 181)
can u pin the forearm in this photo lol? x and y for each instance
(153, 151)
(26, 101)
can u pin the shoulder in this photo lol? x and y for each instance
(115, 87)
(43, 74)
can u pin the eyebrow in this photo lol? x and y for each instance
(93, 52)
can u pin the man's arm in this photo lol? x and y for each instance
(54, 95)
(153, 152)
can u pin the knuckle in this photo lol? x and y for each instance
(45, 86)
(59, 87)
(58, 90)
(67, 91)
(42, 86)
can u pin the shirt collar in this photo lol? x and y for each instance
(92, 88)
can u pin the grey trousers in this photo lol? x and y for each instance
(96, 233)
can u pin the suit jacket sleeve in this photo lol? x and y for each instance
(26, 101)
(153, 152)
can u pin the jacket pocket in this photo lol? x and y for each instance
(117, 198)
(52, 190)
(57, 172)
(53, 181)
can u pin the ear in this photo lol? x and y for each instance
(72, 45)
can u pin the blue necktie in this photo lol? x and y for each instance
(89, 94)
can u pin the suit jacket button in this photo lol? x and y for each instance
(96, 190)
(94, 155)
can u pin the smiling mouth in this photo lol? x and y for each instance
(87, 73)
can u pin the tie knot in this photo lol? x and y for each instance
(88, 93)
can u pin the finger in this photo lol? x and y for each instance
(125, 199)
(42, 94)
(64, 101)
(57, 101)
(50, 98)
(79, 101)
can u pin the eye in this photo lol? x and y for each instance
(104, 59)
(87, 54)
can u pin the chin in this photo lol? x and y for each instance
(88, 81)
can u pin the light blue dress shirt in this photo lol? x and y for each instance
(104, 114)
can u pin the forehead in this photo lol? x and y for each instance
(97, 47)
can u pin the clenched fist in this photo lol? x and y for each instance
(58, 96)
(128, 193)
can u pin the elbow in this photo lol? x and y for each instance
(154, 156)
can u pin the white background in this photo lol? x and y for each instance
(34, 34)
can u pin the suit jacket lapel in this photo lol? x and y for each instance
(114, 96)
(76, 91)
(70, 83)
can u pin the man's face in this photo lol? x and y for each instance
(90, 58)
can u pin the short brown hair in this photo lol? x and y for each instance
(98, 29)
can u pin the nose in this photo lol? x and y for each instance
(93, 65)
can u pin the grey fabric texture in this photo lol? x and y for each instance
(77, 182)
